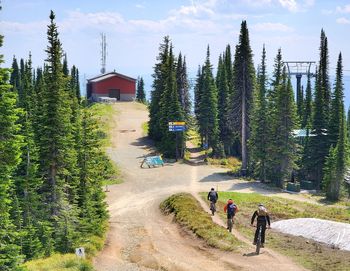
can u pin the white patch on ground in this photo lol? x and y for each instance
(332, 233)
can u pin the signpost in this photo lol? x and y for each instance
(177, 126)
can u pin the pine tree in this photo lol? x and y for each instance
(337, 106)
(283, 153)
(171, 110)
(244, 83)
(183, 85)
(324, 75)
(58, 155)
(15, 75)
(140, 91)
(10, 145)
(208, 107)
(159, 78)
(336, 162)
(307, 112)
(225, 133)
(318, 141)
(260, 125)
(75, 82)
(92, 164)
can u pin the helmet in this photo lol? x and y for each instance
(260, 204)
(212, 189)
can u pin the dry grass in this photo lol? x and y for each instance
(59, 262)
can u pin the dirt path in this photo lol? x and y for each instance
(140, 237)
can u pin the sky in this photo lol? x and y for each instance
(135, 28)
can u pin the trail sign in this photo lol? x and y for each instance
(177, 126)
(177, 123)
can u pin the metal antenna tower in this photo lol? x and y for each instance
(103, 53)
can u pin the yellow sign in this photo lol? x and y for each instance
(177, 123)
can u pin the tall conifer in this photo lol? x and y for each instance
(242, 98)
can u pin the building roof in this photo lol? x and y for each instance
(105, 76)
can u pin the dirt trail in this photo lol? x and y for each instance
(140, 237)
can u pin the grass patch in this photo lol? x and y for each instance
(104, 115)
(194, 137)
(145, 128)
(308, 253)
(59, 262)
(232, 163)
(189, 214)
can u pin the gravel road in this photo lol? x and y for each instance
(140, 237)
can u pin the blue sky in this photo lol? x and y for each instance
(134, 29)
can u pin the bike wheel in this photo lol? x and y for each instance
(258, 245)
(230, 225)
(212, 208)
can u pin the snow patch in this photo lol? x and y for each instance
(332, 233)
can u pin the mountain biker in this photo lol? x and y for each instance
(262, 219)
(231, 209)
(213, 197)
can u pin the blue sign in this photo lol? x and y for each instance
(177, 128)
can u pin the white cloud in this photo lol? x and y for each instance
(345, 9)
(272, 27)
(32, 27)
(258, 3)
(291, 5)
(343, 20)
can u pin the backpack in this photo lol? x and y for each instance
(262, 211)
(232, 209)
(212, 196)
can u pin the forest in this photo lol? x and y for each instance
(51, 161)
(244, 113)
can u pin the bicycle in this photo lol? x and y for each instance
(212, 207)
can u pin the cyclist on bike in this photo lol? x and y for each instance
(262, 219)
(213, 197)
(231, 209)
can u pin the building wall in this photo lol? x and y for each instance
(103, 87)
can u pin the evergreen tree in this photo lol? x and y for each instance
(159, 79)
(75, 82)
(260, 125)
(208, 108)
(58, 155)
(335, 164)
(171, 110)
(183, 85)
(324, 75)
(93, 165)
(307, 112)
(15, 75)
(348, 123)
(244, 83)
(223, 100)
(283, 152)
(318, 141)
(337, 107)
(140, 91)
(10, 145)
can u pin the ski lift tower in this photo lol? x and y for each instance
(299, 68)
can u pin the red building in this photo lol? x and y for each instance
(113, 85)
